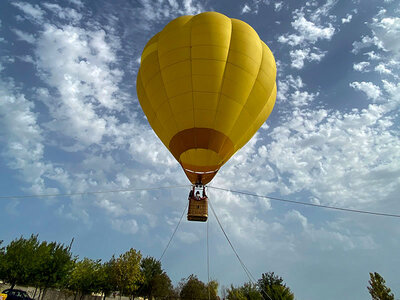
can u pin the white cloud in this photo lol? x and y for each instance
(246, 9)
(278, 6)
(329, 237)
(382, 69)
(300, 55)
(347, 19)
(361, 66)
(307, 32)
(385, 33)
(65, 13)
(24, 36)
(372, 55)
(83, 78)
(387, 30)
(371, 90)
(32, 12)
(129, 226)
(24, 148)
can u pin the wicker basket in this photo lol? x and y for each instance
(198, 210)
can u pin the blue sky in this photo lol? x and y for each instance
(70, 122)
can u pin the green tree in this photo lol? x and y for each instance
(53, 263)
(17, 263)
(193, 288)
(378, 289)
(85, 277)
(156, 282)
(248, 291)
(107, 277)
(273, 286)
(2, 260)
(127, 272)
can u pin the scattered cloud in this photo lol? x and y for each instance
(361, 66)
(307, 32)
(246, 9)
(24, 36)
(300, 55)
(32, 12)
(347, 19)
(371, 90)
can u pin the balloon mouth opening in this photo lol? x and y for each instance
(201, 173)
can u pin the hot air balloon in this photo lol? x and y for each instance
(206, 84)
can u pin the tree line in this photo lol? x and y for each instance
(44, 265)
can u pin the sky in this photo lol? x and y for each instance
(70, 122)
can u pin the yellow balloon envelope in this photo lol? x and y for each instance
(206, 84)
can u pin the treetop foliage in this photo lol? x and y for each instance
(378, 289)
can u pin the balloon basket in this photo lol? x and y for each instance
(198, 210)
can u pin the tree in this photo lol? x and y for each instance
(85, 277)
(156, 282)
(378, 288)
(107, 277)
(193, 288)
(273, 286)
(53, 263)
(17, 263)
(248, 291)
(127, 272)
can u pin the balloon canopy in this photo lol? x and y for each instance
(206, 84)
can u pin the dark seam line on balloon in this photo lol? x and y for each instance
(145, 93)
(255, 80)
(208, 45)
(226, 61)
(165, 90)
(267, 103)
(217, 93)
(191, 82)
(223, 80)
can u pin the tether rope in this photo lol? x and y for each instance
(308, 204)
(172, 236)
(246, 270)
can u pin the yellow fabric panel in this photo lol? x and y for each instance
(253, 104)
(155, 91)
(210, 34)
(150, 47)
(237, 83)
(203, 118)
(243, 122)
(159, 130)
(261, 118)
(177, 23)
(174, 56)
(268, 62)
(227, 113)
(184, 120)
(205, 100)
(203, 157)
(211, 52)
(179, 86)
(206, 83)
(247, 63)
(149, 67)
(173, 37)
(181, 104)
(144, 101)
(176, 71)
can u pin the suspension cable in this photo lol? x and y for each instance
(208, 266)
(176, 228)
(246, 270)
(93, 192)
(308, 204)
